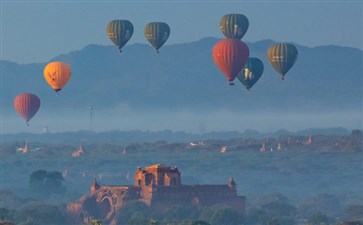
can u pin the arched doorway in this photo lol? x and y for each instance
(81, 217)
(104, 208)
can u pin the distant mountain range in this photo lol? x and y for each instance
(138, 136)
(185, 77)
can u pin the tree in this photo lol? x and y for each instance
(125, 213)
(53, 183)
(354, 140)
(206, 214)
(322, 203)
(262, 216)
(6, 214)
(153, 222)
(226, 216)
(276, 203)
(356, 133)
(137, 218)
(199, 222)
(37, 182)
(43, 184)
(39, 214)
(318, 219)
(96, 222)
(182, 213)
(355, 212)
(256, 216)
(10, 200)
(352, 223)
(38, 176)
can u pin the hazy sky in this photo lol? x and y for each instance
(37, 31)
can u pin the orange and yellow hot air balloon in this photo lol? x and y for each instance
(57, 74)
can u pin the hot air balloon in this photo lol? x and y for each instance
(234, 25)
(282, 57)
(157, 33)
(119, 32)
(57, 74)
(251, 72)
(230, 55)
(27, 105)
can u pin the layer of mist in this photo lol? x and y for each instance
(186, 121)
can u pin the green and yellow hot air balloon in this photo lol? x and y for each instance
(119, 32)
(282, 57)
(234, 25)
(251, 72)
(157, 33)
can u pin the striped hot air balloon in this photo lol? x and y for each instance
(230, 55)
(157, 33)
(282, 57)
(27, 105)
(234, 25)
(119, 32)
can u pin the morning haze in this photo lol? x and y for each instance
(141, 137)
(181, 88)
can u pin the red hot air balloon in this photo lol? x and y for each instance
(27, 105)
(230, 55)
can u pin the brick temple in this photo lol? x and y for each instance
(159, 187)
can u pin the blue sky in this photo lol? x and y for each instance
(36, 31)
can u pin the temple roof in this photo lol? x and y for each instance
(157, 166)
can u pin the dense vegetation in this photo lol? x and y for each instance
(319, 183)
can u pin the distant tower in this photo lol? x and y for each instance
(65, 173)
(279, 146)
(91, 117)
(45, 130)
(263, 147)
(231, 183)
(94, 186)
(25, 149)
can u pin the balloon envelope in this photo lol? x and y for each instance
(57, 74)
(282, 57)
(234, 25)
(251, 72)
(119, 32)
(230, 55)
(157, 33)
(27, 105)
